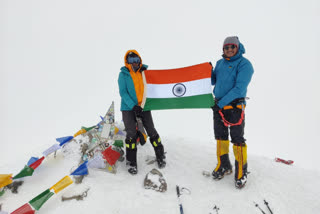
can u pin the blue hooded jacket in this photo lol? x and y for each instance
(231, 77)
(127, 90)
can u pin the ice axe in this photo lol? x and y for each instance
(181, 191)
(141, 133)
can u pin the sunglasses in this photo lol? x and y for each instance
(134, 59)
(229, 46)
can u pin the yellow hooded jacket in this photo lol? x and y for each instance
(136, 76)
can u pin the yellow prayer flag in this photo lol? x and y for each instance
(116, 130)
(63, 183)
(5, 179)
(81, 131)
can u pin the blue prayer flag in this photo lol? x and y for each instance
(63, 140)
(81, 170)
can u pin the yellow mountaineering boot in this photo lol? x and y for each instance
(241, 165)
(224, 166)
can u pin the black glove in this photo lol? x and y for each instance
(215, 108)
(143, 68)
(137, 110)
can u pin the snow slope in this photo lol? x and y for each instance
(288, 189)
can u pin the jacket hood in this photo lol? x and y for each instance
(241, 51)
(126, 70)
(128, 66)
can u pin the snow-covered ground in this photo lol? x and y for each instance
(288, 189)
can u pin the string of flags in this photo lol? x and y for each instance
(34, 162)
(103, 151)
(37, 202)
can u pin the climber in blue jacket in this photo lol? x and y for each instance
(231, 77)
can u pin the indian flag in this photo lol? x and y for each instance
(188, 87)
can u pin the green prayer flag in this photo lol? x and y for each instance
(88, 129)
(26, 171)
(39, 200)
(118, 143)
(1, 192)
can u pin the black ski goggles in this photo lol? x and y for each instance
(134, 59)
(227, 47)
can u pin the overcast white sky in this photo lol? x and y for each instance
(59, 64)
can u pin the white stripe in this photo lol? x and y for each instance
(193, 88)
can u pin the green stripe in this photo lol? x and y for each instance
(200, 101)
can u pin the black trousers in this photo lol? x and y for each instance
(221, 132)
(130, 123)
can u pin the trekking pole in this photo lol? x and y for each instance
(180, 204)
(267, 204)
(181, 191)
(257, 205)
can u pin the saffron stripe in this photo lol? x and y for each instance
(177, 75)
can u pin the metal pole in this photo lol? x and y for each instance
(267, 204)
(180, 204)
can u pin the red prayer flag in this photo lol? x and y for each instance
(25, 209)
(37, 163)
(111, 156)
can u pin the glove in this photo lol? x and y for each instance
(143, 68)
(215, 108)
(137, 110)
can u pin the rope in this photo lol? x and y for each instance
(227, 123)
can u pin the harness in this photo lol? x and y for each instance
(227, 123)
(232, 106)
